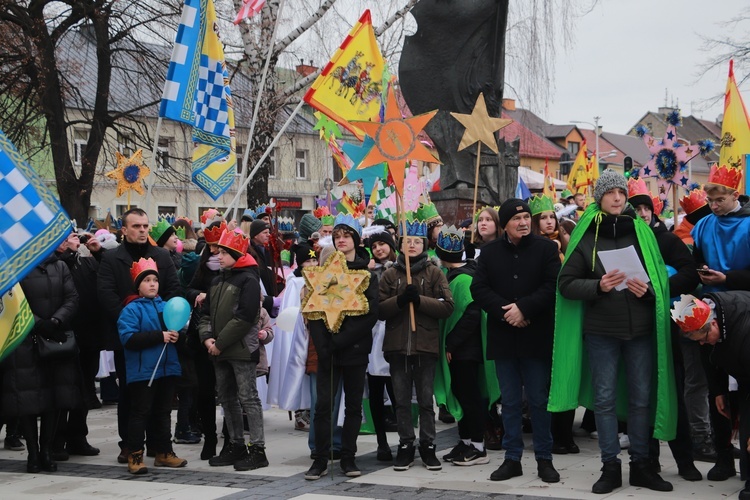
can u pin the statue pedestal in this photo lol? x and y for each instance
(455, 204)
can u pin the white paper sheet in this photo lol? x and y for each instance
(626, 261)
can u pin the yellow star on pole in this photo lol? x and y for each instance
(334, 292)
(396, 140)
(480, 126)
(129, 173)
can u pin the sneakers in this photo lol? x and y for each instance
(689, 472)
(302, 420)
(233, 453)
(13, 442)
(643, 474)
(82, 448)
(456, 452)
(404, 457)
(135, 463)
(186, 437)
(472, 456)
(724, 468)
(547, 472)
(384, 453)
(255, 459)
(610, 479)
(349, 468)
(508, 469)
(429, 460)
(169, 459)
(318, 469)
(123, 457)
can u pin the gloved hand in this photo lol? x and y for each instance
(410, 294)
(275, 308)
(50, 330)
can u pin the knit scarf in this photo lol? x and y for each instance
(571, 376)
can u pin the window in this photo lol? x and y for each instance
(301, 161)
(163, 210)
(574, 147)
(272, 164)
(337, 173)
(125, 145)
(80, 138)
(162, 153)
(121, 209)
(238, 152)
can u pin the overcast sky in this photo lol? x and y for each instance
(627, 52)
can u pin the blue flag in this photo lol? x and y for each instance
(522, 191)
(32, 222)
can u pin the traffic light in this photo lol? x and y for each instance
(627, 166)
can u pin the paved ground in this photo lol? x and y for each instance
(102, 478)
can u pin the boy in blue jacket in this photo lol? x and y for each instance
(143, 336)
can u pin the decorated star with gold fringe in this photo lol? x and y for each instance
(480, 126)
(129, 173)
(334, 292)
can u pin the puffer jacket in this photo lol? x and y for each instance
(435, 303)
(231, 309)
(141, 328)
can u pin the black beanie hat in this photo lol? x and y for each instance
(642, 199)
(384, 236)
(140, 277)
(509, 208)
(301, 252)
(258, 226)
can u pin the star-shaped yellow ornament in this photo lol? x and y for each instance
(334, 292)
(129, 173)
(480, 126)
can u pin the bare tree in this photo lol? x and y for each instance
(723, 49)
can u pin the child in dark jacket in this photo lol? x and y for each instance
(149, 350)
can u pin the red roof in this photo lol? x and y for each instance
(604, 147)
(532, 145)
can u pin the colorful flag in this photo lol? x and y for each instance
(735, 129)
(578, 178)
(350, 86)
(197, 92)
(549, 184)
(16, 320)
(32, 222)
(382, 195)
(593, 169)
(249, 9)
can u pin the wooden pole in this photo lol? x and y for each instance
(476, 185)
(675, 195)
(402, 212)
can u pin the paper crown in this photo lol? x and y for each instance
(658, 205)
(691, 313)
(347, 220)
(263, 211)
(428, 213)
(213, 234)
(450, 239)
(286, 224)
(209, 216)
(637, 187)
(414, 226)
(324, 214)
(728, 177)
(159, 228)
(539, 204)
(565, 194)
(496, 208)
(693, 201)
(142, 266)
(248, 213)
(190, 222)
(234, 240)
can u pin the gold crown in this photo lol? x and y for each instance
(234, 240)
(213, 234)
(142, 266)
(725, 176)
(693, 201)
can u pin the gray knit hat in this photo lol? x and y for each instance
(308, 224)
(609, 179)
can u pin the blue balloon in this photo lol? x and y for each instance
(176, 313)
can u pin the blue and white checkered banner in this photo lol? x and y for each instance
(32, 222)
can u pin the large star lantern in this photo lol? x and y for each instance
(396, 140)
(480, 126)
(129, 173)
(334, 292)
(369, 175)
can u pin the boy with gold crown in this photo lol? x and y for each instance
(143, 335)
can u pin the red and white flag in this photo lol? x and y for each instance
(249, 9)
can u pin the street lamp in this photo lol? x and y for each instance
(596, 131)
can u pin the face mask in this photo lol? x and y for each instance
(213, 263)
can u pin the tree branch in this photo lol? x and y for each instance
(299, 30)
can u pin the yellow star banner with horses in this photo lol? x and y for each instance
(350, 86)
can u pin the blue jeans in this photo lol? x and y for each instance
(533, 375)
(336, 405)
(418, 371)
(605, 354)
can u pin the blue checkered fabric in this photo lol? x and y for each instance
(211, 114)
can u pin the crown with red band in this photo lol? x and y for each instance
(209, 216)
(213, 234)
(693, 201)
(234, 240)
(728, 177)
(141, 267)
(637, 187)
(658, 205)
(691, 313)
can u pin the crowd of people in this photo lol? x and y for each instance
(508, 321)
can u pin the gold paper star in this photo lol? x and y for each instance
(334, 292)
(396, 140)
(129, 173)
(480, 126)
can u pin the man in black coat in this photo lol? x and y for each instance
(721, 323)
(115, 284)
(515, 284)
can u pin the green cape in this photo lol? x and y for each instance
(488, 384)
(571, 375)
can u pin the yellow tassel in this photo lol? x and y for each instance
(597, 220)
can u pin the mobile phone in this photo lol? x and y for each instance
(703, 271)
(84, 238)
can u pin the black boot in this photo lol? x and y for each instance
(610, 479)
(724, 468)
(46, 436)
(30, 433)
(209, 447)
(643, 474)
(745, 494)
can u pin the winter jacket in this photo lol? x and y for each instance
(351, 345)
(88, 321)
(618, 314)
(266, 274)
(676, 254)
(32, 386)
(115, 285)
(523, 274)
(731, 355)
(141, 327)
(464, 341)
(264, 323)
(722, 242)
(188, 266)
(435, 303)
(231, 309)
